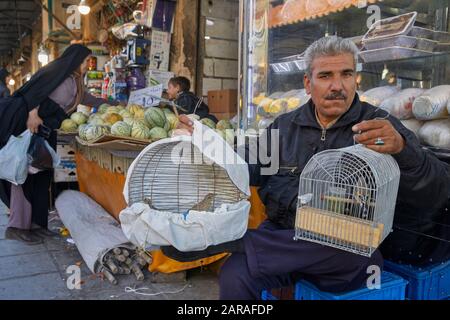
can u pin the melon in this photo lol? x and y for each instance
(95, 132)
(82, 131)
(172, 119)
(103, 108)
(121, 129)
(111, 118)
(229, 136)
(155, 117)
(125, 114)
(139, 114)
(158, 133)
(68, 125)
(133, 108)
(224, 124)
(168, 111)
(94, 116)
(97, 122)
(221, 133)
(208, 122)
(114, 109)
(79, 117)
(140, 131)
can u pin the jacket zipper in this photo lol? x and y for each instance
(324, 134)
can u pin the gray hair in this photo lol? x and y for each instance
(329, 46)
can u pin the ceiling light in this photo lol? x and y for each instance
(12, 82)
(83, 7)
(43, 56)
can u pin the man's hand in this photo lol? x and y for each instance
(369, 131)
(185, 123)
(34, 121)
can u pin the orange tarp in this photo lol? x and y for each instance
(106, 187)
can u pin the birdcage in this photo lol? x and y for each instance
(187, 183)
(347, 199)
(177, 178)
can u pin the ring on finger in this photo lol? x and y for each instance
(379, 142)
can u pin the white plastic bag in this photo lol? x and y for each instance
(413, 125)
(14, 159)
(432, 104)
(400, 104)
(377, 95)
(436, 133)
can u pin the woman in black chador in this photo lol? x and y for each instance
(52, 94)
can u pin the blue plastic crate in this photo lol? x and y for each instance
(266, 295)
(393, 287)
(429, 283)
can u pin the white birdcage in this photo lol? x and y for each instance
(347, 199)
(186, 192)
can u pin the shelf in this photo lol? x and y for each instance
(421, 64)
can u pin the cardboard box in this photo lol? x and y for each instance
(65, 151)
(65, 175)
(223, 101)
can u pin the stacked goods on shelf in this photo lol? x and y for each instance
(269, 108)
(397, 38)
(294, 11)
(424, 112)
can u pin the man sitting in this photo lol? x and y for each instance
(334, 118)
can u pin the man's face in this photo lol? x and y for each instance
(172, 91)
(332, 85)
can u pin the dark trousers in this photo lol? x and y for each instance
(273, 259)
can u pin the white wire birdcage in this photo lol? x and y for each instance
(176, 182)
(347, 199)
(184, 192)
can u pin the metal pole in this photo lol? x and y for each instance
(57, 19)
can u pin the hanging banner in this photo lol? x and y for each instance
(160, 51)
(163, 15)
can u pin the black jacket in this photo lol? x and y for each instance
(424, 181)
(189, 101)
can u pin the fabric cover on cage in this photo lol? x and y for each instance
(169, 218)
(91, 227)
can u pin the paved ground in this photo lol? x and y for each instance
(39, 272)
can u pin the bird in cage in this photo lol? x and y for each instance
(348, 214)
(187, 193)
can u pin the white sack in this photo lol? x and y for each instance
(432, 104)
(91, 227)
(436, 133)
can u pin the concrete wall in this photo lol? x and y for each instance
(218, 45)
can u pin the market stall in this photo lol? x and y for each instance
(129, 65)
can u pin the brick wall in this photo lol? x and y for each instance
(218, 38)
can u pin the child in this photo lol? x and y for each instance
(178, 90)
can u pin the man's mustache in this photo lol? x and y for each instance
(337, 95)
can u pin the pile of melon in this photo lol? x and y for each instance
(223, 128)
(133, 121)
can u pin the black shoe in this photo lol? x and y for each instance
(230, 247)
(22, 235)
(39, 231)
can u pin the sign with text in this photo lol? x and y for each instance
(155, 77)
(146, 97)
